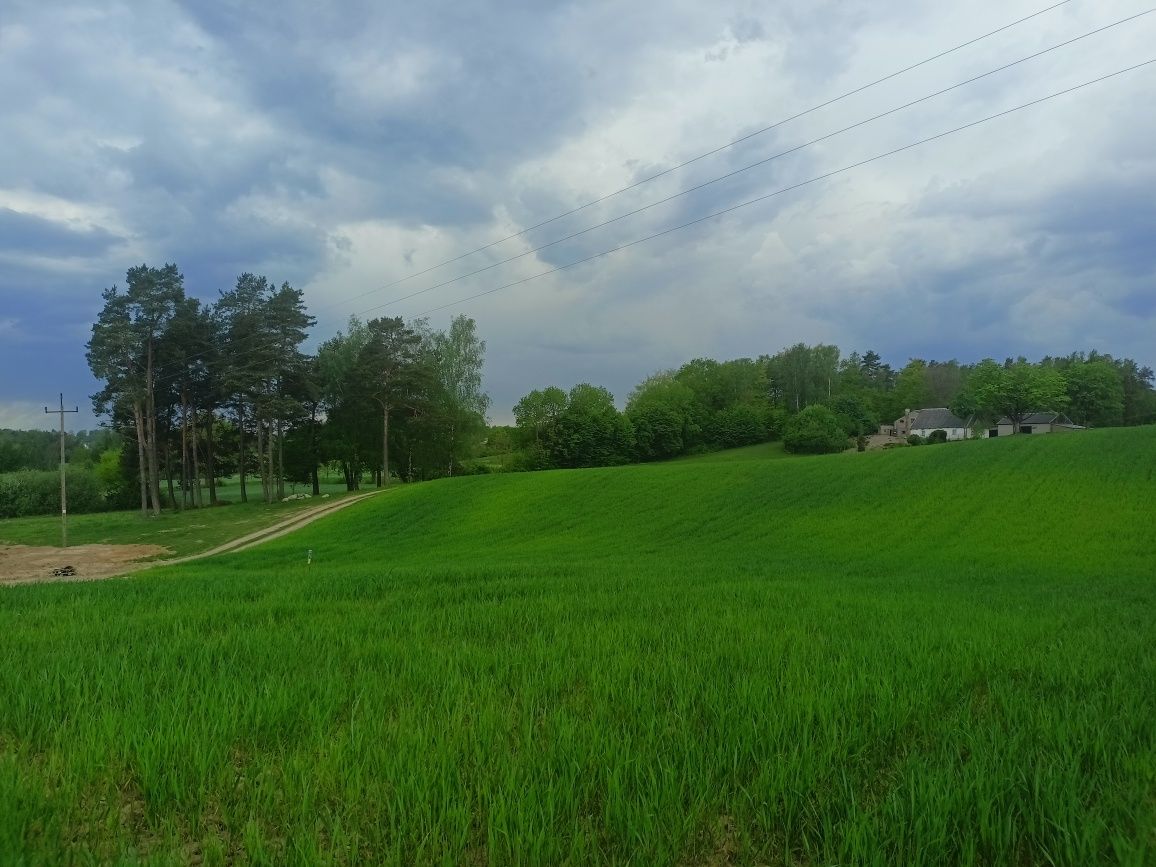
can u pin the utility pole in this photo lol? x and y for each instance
(63, 478)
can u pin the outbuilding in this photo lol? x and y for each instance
(1036, 423)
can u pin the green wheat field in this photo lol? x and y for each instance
(928, 656)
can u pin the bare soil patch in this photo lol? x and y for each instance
(23, 564)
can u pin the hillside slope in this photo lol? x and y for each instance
(1056, 506)
(941, 655)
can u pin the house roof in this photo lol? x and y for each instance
(1041, 418)
(936, 418)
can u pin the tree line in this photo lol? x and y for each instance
(814, 398)
(199, 391)
(194, 392)
(40, 449)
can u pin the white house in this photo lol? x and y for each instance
(922, 422)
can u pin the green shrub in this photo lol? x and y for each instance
(854, 415)
(814, 431)
(740, 425)
(657, 432)
(914, 440)
(533, 457)
(37, 492)
(776, 422)
(475, 468)
(116, 473)
(936, 436)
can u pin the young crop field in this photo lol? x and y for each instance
(926, 656)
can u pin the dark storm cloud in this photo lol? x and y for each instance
(493, 93)
(1111, 219)
(1096, 229)
(27, 234)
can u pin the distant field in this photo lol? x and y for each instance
(925, 656)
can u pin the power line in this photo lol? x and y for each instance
(791, 187)
(702, 156)
(757, 163)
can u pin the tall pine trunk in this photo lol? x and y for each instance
(151, 432)
(280, 461)
(184, 449)
(211, 459)
(270, 465)
(138, 420)
(241, 430)
(260, 436)
(313, 451)
(173, 502)
(384, 483)
(198, 498)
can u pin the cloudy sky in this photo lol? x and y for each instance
(345, 146)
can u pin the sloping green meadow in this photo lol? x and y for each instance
(921, 657)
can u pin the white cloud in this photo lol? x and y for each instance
(22, 415)
(75, 214)
(372, 80)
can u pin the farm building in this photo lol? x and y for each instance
(1036, 423)
(922, 422)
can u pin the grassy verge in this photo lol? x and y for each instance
(187, 532)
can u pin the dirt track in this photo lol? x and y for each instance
(26, 564)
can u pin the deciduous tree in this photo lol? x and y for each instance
(1015, 390)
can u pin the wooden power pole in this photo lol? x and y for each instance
(63, 478)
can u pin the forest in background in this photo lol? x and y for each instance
(813, 398)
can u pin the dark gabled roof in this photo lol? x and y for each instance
(1041, 418)
(937, 418)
